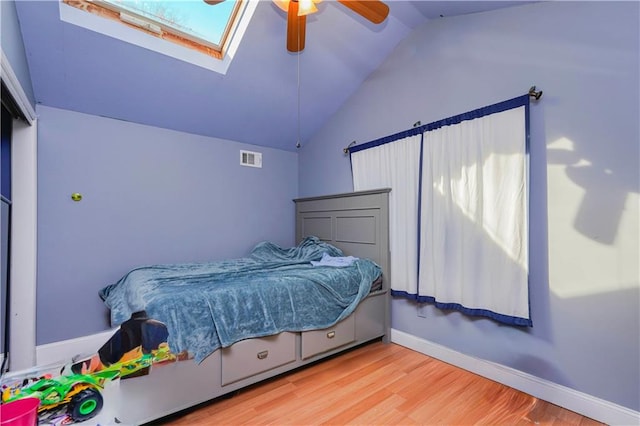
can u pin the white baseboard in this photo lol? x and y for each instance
(582, 403)
(64, 350)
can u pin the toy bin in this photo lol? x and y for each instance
(22, 412)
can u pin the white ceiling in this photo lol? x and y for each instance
(255, 102)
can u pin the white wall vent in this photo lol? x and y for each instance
(251, 159)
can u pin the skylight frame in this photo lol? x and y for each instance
(168, 33)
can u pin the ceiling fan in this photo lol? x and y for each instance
(297, 10)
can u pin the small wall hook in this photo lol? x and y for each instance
(76, 196)
(417, 123)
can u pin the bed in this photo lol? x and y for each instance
(234, 337)
(206, 306)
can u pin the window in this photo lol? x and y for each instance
(184, 29)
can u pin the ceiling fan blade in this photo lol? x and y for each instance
(213, 2)
(373, 10)
(296, 28)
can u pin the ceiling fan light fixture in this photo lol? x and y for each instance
(375, 11)
(306, 7)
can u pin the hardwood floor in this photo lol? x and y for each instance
(379, 384)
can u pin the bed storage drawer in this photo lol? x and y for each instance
(252, 356)
(317, 341)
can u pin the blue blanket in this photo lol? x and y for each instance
(210, 305)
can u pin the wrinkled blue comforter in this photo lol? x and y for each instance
(210, 305)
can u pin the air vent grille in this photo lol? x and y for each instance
(250, 159)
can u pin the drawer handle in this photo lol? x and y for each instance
(331, 335)
(263, 354)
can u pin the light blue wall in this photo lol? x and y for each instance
(150, 196)
(13, 47)
(584, 177)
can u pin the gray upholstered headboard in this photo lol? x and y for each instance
(355, 222)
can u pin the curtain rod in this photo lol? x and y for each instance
(536, 95)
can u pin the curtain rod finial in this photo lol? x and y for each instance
(346, 150)
(534, 94)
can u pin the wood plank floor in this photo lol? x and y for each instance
(379, 384)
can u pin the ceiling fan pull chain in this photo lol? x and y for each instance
(298, 145)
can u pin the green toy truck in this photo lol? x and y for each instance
(79, 394)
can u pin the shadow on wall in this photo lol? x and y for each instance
(593, 208)
(606, 181)
(594, 134)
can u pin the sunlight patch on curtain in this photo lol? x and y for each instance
(473, 240)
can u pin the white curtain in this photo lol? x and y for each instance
(474, 236)
(395, 165)
(458, 210)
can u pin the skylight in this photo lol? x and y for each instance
(200, 28)
(195, 19)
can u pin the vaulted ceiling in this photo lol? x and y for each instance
(255, 102)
